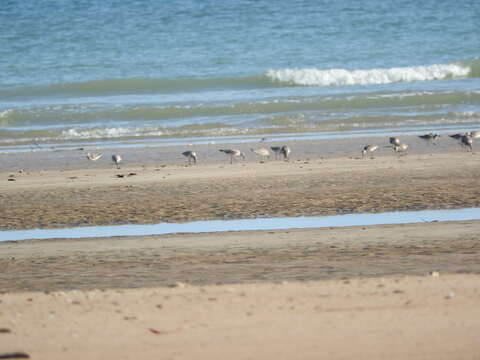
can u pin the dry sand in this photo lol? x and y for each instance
(351, 293)
(383, 318)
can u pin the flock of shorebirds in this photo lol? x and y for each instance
(464, 139)
(263, 153)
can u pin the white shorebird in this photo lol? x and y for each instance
(394, 141)
(117, 159)
(400, 148)
(93, 157)
(234, 153)
(190, 155)
(368, 149)
(430, 138)
(262, 152)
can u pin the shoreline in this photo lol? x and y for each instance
(152, 154)
(136, 142)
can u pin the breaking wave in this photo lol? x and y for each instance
(271, 78)
(343, 77)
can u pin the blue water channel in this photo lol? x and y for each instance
(402, 217)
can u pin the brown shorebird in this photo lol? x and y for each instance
(430, 138)
(263, 153)
(93, 157)
(368, 149)
(234, 153)
(191, 156)
(117, 159)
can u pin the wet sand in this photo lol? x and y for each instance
(240, 257)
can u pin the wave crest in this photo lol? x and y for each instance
(342, 77)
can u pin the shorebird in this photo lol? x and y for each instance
(285, 150)
(394, 141)
(234, 153)
(93, 157)
(281, 150)
(401, 148)
(429, 138)
(190, 155)
(117, 159)
(262, 152)
(369, 149)
(467, 140)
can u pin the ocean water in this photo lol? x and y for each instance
(113, 70)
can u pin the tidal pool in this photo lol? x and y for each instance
(399, 217)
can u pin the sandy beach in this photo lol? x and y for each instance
(399, 318)
(364, 292)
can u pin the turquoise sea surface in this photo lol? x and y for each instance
(89, 71)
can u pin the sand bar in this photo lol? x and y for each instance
(240, 257)
(309, 184)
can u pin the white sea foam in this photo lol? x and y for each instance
(125, 132)
(120, 132)
(6, 113)
(342, 77)
(108, 133)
